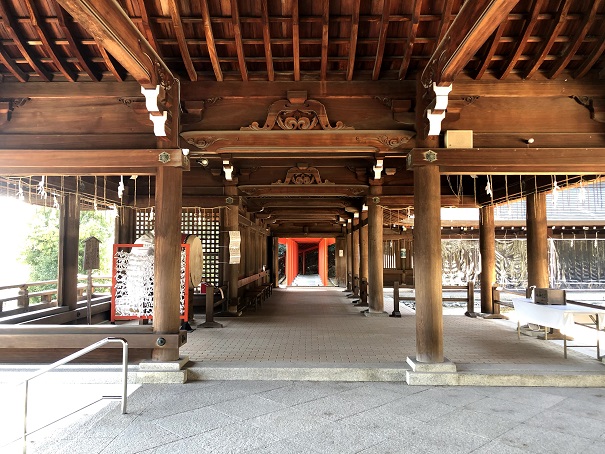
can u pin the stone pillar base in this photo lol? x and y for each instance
(429, 374)
(163, 372)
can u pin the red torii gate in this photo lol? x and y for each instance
(292, 253)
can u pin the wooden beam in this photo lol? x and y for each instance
(216, 66)
(382, 38)
(559, 23)
(74, 46)
(492, 49)
(409, 47)
(49, 46)
(239, 45)
(474, 23)
(10, 64)
(9, 23)
(177, 23)
(576, 42)
(353, 39)
(146, 23)
(325, 24)
(109, 62)
(107, 22)
(520, 45)
(510, 161)
(85, 162)
(267, 40)
(295, 40)
(43, 90)
(446, 18)
(591, 59)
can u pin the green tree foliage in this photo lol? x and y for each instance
(41, 250)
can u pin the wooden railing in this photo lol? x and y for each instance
(25, 300)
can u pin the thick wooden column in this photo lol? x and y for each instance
(356, 255)
(487, 248)
(69, 233)
(375, 257)
(537, 240)
(427, 265)
(350, 255)
(167, 263)
(363, 245)
(275, 262)
(341, 262)
(232, 225)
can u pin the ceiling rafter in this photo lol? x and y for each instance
(559, 22)
(325, 24)
(75, 47)
(147, 26)
(239, 45)
(446, 18)
(382, 38)
(48, 44)
(267, 40)
(10, 64)
(527, 31)
(109, 62)
(175, 14)
(216, 66)
(575, 42)
(409, 47)
(295, 40)
(353, 40)
(495, 41)
(592, 58)
(9, 23)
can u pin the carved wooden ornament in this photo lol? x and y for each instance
(303, 174)
(296, 113)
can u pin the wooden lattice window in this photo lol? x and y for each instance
(202, 222)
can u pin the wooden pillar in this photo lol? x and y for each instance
(537, 241)
(363, 245)
(232, 225)
(275, 262)
(487, 248)
(69, 241)
(322, 261)
(349, 254)
(167, 262)
(356, 255)
(427, 264)
(375, 257)
(125, 226)
(341, 262)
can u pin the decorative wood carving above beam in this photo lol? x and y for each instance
(7, 106)
(596, 106)
(304, 175)
(296, 113)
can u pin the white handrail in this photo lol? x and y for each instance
(70, 358)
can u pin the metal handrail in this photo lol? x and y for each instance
(70, 358)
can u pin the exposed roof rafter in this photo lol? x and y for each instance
(267, 40)
(175, 14)
(411, 39)
(382, 38)
(325, 23)
(216, 66)
(353, 40)
(495, 41)
(239, 45)
(295, 40)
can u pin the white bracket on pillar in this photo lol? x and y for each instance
(436, 114)
(159, 122)
(378, 169)
(151, 98)
(228, 168)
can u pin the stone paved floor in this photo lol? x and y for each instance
(317, 325)
(336, 417)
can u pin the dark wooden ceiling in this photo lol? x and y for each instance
(291, 40)
(368, 53)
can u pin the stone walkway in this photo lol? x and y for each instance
(285, 417)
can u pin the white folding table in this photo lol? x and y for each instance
(559, 316)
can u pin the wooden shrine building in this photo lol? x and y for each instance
(299, 119)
